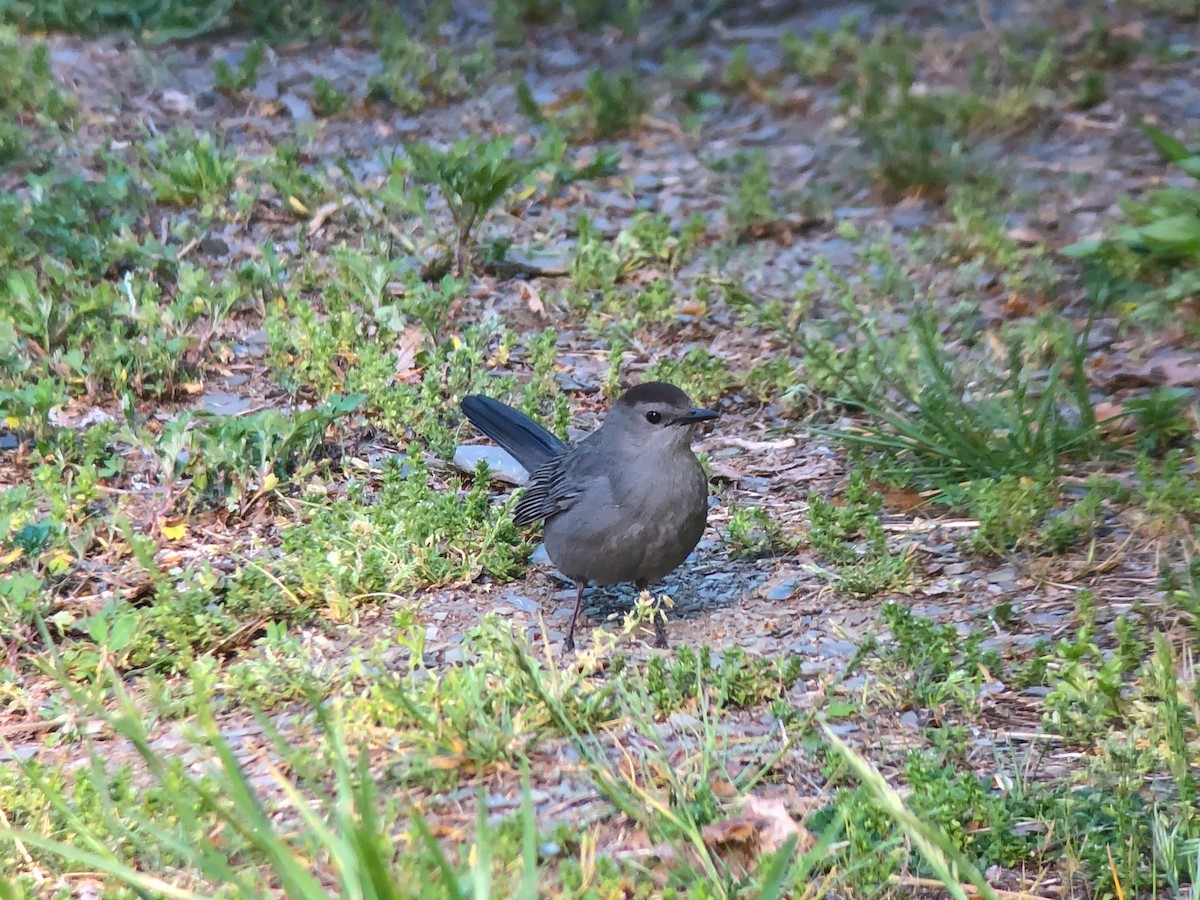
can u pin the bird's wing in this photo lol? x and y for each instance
(549, 491)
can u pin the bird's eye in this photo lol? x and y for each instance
(654, 417)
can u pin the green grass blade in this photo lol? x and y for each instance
(102, 863)
(932, 843)
(529, 840)
(449, 880)
(775, 875)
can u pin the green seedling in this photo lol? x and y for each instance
(613, 103)
(242, 76)
(473, 176)
(185, 169)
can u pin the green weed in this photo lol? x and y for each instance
(703, 375)
(918, 139)
(328, 99)
(933, 666)
(602, 264)
(300, 189)
(613, 103)
(778, 381)
(924, 420)
(173, 20)
(750, 207)
(28, 94)
(473, 176)
(826, 53)
(185, 169)
(734, 680)
(850, 537)
(220, 832)
(978, 232)
(96, 317)
(751, 532)
(330, 354)
(407, 535)
(1153, 264)
(234, 79)
(418, 73)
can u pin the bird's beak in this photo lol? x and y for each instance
(697, 414)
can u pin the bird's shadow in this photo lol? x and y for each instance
(694, 593)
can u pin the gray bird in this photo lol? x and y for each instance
(626, 503)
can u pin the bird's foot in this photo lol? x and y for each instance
(660, 633)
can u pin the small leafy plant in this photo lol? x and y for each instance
(232, 79)
(613, 102)
(922, 417)
(472, 176)
(421, 70)
(1154, 263)
(850, 537)
(186, 169)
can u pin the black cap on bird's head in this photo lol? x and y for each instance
(658, 403)
(655, 392)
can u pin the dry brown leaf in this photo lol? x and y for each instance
(324, 211)
(1017, 306)
(642, 277)
(1114, 420)
(1023, 234)
(901, 499)
(1135, 30)
(1109, 413)
(532, 298)
(724, 472)
(1170, 370)
(723, 788)
(1177, 372)
(406, 352)
(760, 828)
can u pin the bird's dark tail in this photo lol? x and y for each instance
(525, 439)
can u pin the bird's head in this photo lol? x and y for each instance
(657, 415)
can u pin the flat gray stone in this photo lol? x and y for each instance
(501, 465)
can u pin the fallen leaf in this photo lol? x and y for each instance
(901, 499)
(177, 102)
(1023, 234)
(760, 828)
(406, 352)
(724, 472)
(532, 298)
(1172, 370)
(175, 531)
(723, 788)
(1107, 412)
(1017, 305)
(1135, 30)
(323, 212)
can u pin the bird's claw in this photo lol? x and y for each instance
(660, 635)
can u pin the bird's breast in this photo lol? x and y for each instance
(638, 524)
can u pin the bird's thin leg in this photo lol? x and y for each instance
(660, 620)
(569, 643)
